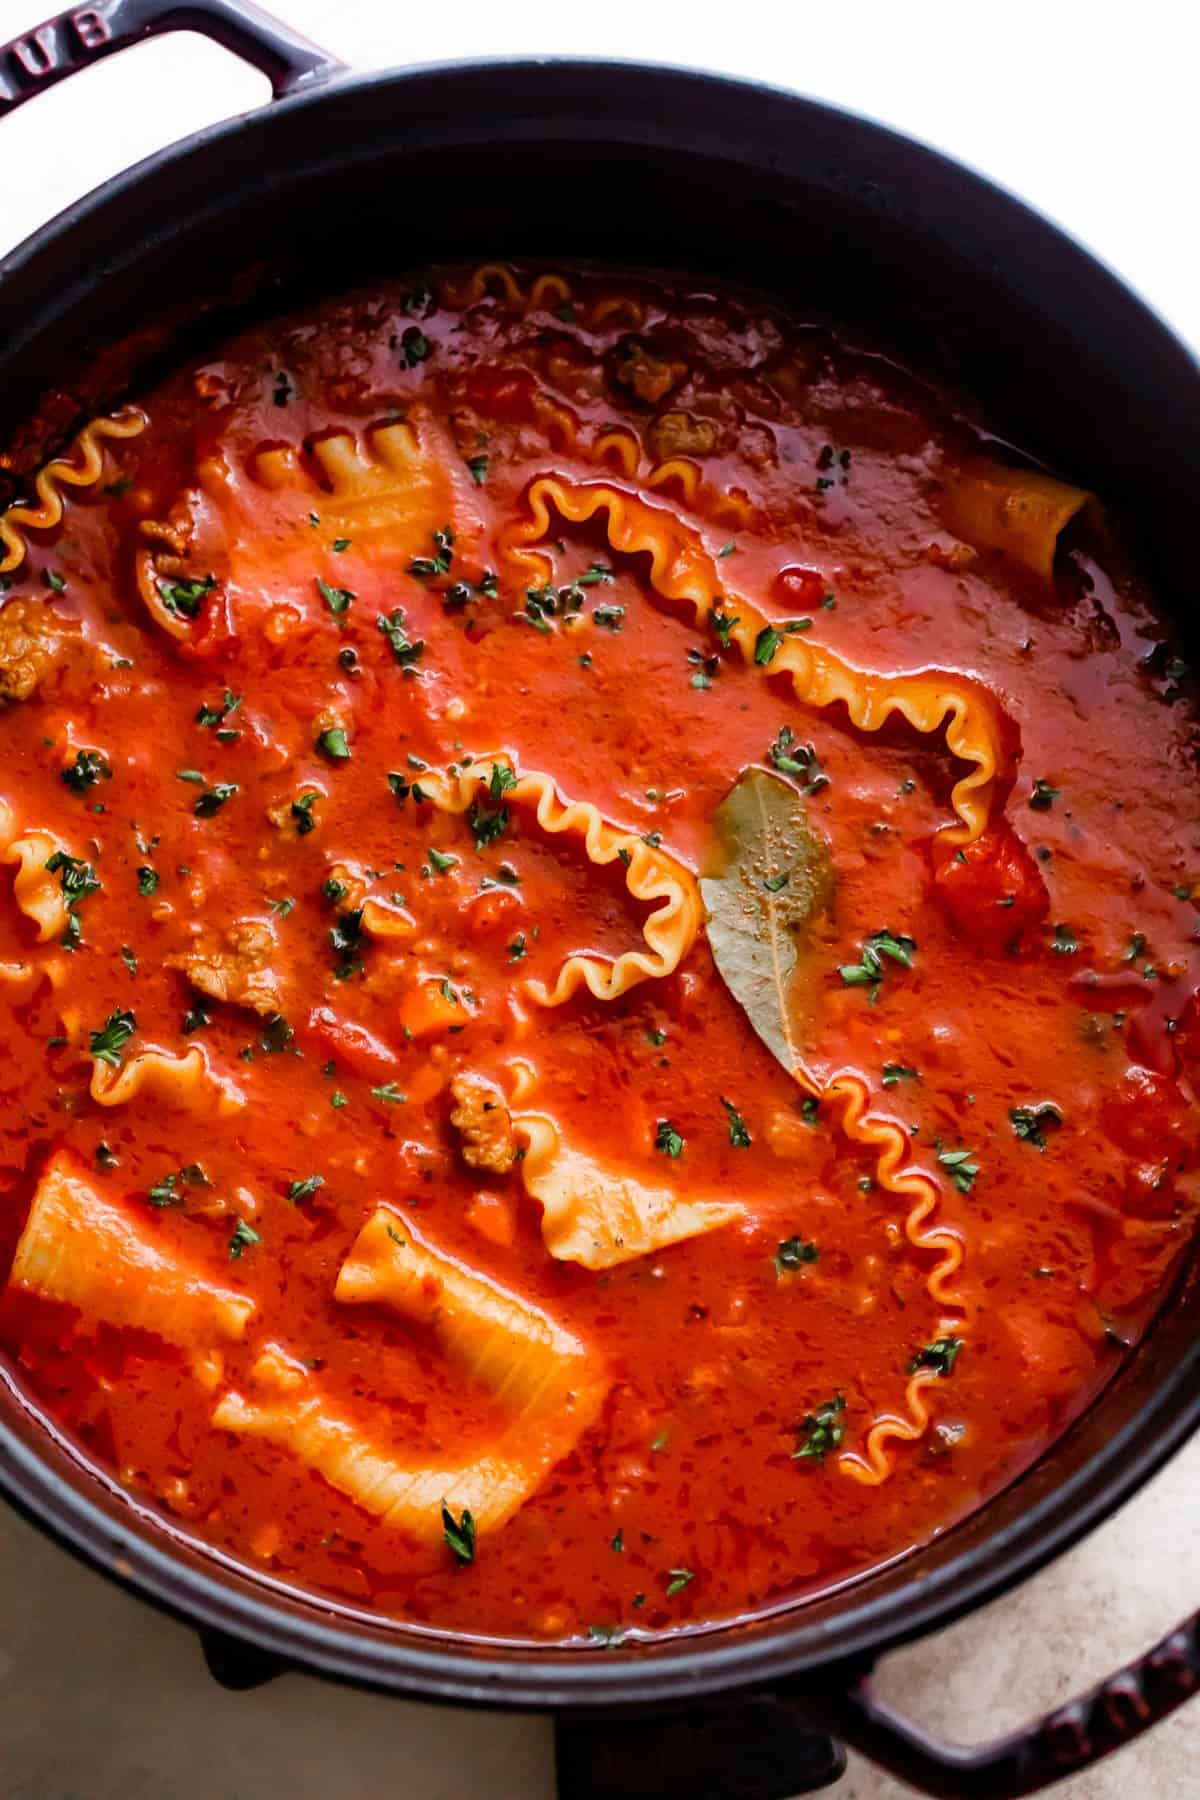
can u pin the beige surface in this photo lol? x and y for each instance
(101, 1699)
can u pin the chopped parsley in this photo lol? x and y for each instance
(1065, 943)
(345, 940)
(426, 567)
(88, 768)
(337, 599)
(77, 879)
(739, 1135)
(478, 466)
(390, 1093)
(793, 1253)
(517, 949)
(129, 959)
(304, 1188)
(332, 744)
(870, 969)
(195, 1020)
(459, 1533)
(894, 1072)
(797, 760)
(210, 716)
(939, 1355)
(1032, 1122)
(679, 1580)
(667, 1139)
(147, 879)
(722, 624)
(414, 347)
(301, 811)
(766, 644)
(184, 597)
(283, 907)
(277, 1035)
(107, 1044)
(440, 860)
(610, 617)
(406, 650)
(1043, 796)
(214, 798)
(961, 1169)
(821, 1430)
(165, 1191)
(243, 1237)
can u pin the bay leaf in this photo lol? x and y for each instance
(768, 879)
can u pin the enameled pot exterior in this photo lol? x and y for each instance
(342, 177)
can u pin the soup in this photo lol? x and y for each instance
(596, 956)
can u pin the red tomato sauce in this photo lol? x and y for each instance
(258, 767)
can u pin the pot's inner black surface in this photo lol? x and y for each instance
(635, 168)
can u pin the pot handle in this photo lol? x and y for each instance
(48, 53)
(1071, 1737)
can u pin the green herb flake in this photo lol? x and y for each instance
(667, 1139)
(304, 1188)
(440, 860)
(793, 1253)
(739, 1135)
(679, 1579)
(1043, 796)
(337, 599)
(147, 880)
(894, 1072)
(332, 744)
(766, 644)
(389, 1093)
(107, 1044)
(244, 1236)
(939, 1355)
(960, 1168)
(822, 1430)
(88, 768)
(459, 1534)
(1030, 1123)
(214, 798)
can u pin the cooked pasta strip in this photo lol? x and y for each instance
(682, 569)
(892, 1144)
(873, 1467)
(593, 1216)
(85, 1250)
(185, 1082)
(650, 875)
(391, 484)
(500, 1340)
(1021, 512)
(81, 468)
(288, 1409)
(35, 888)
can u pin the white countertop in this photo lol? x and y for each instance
(1088, 112)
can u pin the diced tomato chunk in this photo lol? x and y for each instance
(992, 889)
(353, 1045)
(1148, 1116)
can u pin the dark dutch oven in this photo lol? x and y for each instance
(615, 162)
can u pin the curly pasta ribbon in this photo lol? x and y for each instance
(650, 875)
(682, 569)
(173, 1081)
(873, 1467)
(549, 293)
(88, 466)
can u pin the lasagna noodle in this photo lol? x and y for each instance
(286, 1408)
(595, 1217)
(37, 892)
(498, 1339)
(83, 1249)
(1020, 512)
(82, 467)
(682, 569)
(185, 1083)
(650, 875)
